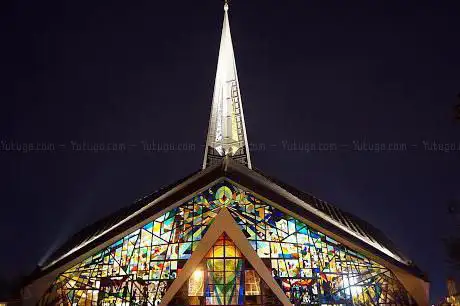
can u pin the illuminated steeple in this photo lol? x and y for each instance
(227, 131)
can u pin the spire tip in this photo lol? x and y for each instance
(226, 132)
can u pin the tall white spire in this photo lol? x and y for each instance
(227, 131)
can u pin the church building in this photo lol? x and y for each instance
(228, 234)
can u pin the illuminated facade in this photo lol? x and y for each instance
(310, 267)
(228, 235)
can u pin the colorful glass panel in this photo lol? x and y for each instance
(310, 267)
(196, 283)
(229, 279)
(224, 266)
(251, 283)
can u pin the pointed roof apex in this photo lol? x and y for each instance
(224, 223)
(227, 130)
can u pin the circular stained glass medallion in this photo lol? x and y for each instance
(224, 195)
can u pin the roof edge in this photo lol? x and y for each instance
(227, 169)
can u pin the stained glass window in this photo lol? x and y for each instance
(229, 280)
(196, 283)
(224, 267)
(310, 267)
(251, 282)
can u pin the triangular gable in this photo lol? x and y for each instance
(225, 277)
(312, 266)
(224, 223)
(260, 184)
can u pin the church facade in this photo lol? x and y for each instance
(228, 235)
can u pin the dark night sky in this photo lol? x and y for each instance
(310, 72)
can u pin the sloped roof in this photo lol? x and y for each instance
(317, 211)
(350, 221)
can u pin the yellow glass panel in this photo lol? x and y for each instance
(230, 277)
(218, 265)
(156, 228)
(219, 251)
(230, 264)
(230, 251)
(282, 268)
(216, 277)
(275, 249)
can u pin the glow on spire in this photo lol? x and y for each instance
(227, 131)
